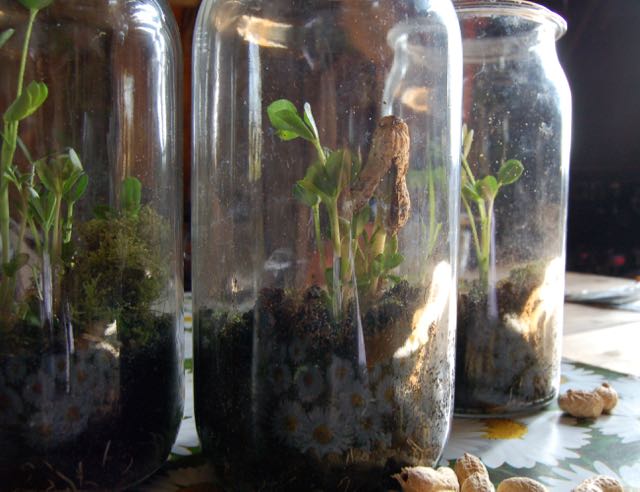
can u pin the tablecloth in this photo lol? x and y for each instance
(557, 450)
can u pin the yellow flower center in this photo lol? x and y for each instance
(505, 429)
(291, 423)
(357, 400)
(322, 434)
(389, 393)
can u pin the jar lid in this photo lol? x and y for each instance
(520, 8)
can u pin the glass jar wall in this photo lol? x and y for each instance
(91, 384)
(517, 112)
(325, 178)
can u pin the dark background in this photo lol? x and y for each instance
(601, 56)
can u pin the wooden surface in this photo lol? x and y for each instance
(599, 336)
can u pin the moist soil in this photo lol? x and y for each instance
(284, 400)
(102, 418)
(506, 362)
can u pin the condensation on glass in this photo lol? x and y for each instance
(517, 116)
(91, 382)
(325, 209)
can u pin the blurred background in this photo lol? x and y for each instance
(599, 55)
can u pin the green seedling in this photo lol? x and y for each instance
(47, 190)
(482, 193)
(359, 259)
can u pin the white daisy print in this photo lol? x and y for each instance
(298, 350)
(353, 398)
(290, 422)
(465, 437)
(279, 376)
(57, 422)
(386, 395)
(573, 377)
(326, 431)
(546, 438)
(631, 475)
(369, 432)
(340, 371)
(569, 478)
(39, 387)
(624, 421)
(187, 437)
(309, 382)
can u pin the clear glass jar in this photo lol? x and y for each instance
(517, 112)
(324, 231)
(91, 382)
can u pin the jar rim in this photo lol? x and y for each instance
(521, 8)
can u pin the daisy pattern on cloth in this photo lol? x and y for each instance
(624, 420)
(187, 439)
(568, 478)
(574, 377)
(546, 438)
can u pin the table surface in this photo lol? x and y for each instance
(599, 344)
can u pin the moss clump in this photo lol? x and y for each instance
(119, 271)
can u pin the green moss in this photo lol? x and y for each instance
(119, 272)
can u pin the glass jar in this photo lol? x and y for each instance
(91, 383)
(517, 115)
(324, 233)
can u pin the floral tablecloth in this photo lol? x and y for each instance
(557, 450)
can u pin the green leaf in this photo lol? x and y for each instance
(304, 195)
(469, 193)
(75, 193)
(510, 172)
(35, 206)
(103, 212)
(392, 261)
(48, 202)
(334, 165)
(28, 102)
(391, 245)
(5, 36)
(10, 176)
(35, 4)
(377, 266)
(395, 278)
(47, 176)
(487, 187)
(131, 196)
(284, 118)
(360, 220)
(317, 180)
(310, 121)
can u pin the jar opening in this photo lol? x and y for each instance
(520, 8)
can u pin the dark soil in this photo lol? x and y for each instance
(103, 417)
(282, 401)
(508, 362)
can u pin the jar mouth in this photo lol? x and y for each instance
(520, 8)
